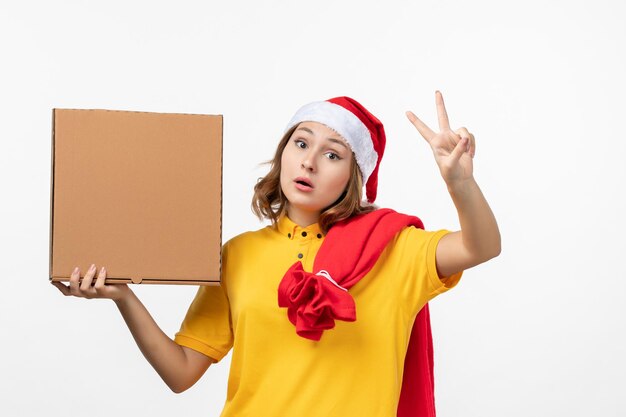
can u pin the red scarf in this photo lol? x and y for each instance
(315, 300)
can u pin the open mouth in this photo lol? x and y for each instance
(303, 182)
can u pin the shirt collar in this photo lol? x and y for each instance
(291, 230)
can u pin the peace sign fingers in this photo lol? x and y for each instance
(442, 116)
(453, 151)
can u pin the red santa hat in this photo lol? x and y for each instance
(363, 132)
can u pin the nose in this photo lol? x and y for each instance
(308, 163)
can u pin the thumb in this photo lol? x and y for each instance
(459, 149)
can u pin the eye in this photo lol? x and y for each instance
(333, 156)
(300, 143)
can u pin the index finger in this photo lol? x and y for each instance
(444, 123)
(421, 127)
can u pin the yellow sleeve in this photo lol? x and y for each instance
(207, 326)
(418, 278)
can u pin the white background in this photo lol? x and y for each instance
(537, 331)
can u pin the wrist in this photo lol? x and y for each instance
(123, 300)
(460, 187)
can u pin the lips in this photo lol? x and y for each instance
(304, 181)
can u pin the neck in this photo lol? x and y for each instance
(302, 218)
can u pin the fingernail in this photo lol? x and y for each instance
(75, 270)
(93, 266)
(102, 270)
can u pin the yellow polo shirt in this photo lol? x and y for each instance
(355, 369)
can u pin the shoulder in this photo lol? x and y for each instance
(249, 250)
(250, 238)
(413, 233)
(415, 240)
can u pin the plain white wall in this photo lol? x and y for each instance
(537, 331)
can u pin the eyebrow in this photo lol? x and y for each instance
(340, 142)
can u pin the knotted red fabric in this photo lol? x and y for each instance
(315, 300)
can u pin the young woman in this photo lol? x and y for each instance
(325, 309)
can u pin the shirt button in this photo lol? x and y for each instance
(288, 234)
(303, 234)
(319, 236)
(300, 256)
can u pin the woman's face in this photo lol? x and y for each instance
(315, 170)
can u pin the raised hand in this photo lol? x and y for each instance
(453, 150)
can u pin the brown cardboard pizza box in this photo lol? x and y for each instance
(139, 193)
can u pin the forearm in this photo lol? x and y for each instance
(165, 356)
(479, 229)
